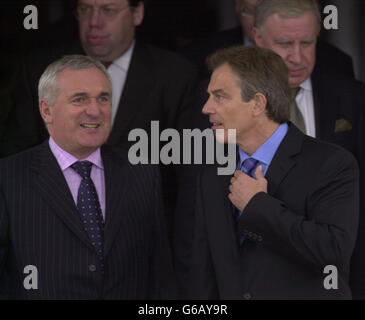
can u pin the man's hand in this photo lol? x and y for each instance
(243, 187)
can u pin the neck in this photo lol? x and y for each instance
(257, 136)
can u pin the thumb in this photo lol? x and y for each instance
(259, 174)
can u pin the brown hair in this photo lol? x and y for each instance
(258, 70)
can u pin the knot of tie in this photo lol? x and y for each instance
(248, 165)
(294, 92)
(83, 168)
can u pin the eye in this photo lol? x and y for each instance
(104, 99)
(218, 97)
(307, 43)
(284, 44)
(84, 10)
(109, 11)
(78, 100)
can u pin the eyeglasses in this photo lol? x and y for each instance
(84, 12)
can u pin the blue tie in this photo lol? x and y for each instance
(89, 209)
(247, 167)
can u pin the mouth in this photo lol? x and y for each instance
(216, 125)
(297, 72)
(95, 39)
(90, 126)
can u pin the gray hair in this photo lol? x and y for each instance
(48, 88)
(286, 9)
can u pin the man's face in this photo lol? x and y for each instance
(245, 10)
(107, 27)
(225, 107)
(294, 39)
(79, 120)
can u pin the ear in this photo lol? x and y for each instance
(257, 37)
(138, 14)
(259, 104)
(46, 111)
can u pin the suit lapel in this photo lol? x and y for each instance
(284, 158)
(52, 186)
(138, 82)
(115, 189)
(220, 213)
(229, 218)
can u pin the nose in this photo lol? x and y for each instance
(207, 108)
(93, 108)
(96, 19)
(295, 55)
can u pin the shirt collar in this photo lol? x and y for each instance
(306, 85)
(66, 159)
(265, 153)
(124, 60)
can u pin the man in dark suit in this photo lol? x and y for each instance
(291, 207)
(330, 104)
(148, 83)
(85, 222)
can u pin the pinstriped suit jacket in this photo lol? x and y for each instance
(40, 226)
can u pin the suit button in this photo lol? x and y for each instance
(247, 296)
(92, 268)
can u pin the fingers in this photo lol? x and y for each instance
(259, 173)
(238, 173)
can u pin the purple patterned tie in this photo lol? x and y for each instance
(248, 166)
(89, 208)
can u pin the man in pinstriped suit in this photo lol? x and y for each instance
(43, 220)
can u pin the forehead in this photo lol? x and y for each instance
(304, 26)
(223, 78)
(103, 2)
(83, 80)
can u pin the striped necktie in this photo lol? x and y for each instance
(296, 116)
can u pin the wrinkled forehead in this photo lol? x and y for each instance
(83, 78)
(302, 26)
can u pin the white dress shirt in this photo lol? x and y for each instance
(118, 72)
(305, 104)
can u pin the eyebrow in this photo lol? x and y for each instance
(282, 40)
(82, 94)
(220, 92)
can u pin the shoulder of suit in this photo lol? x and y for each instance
(20, 160)
(324, 150)
(168, 60)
